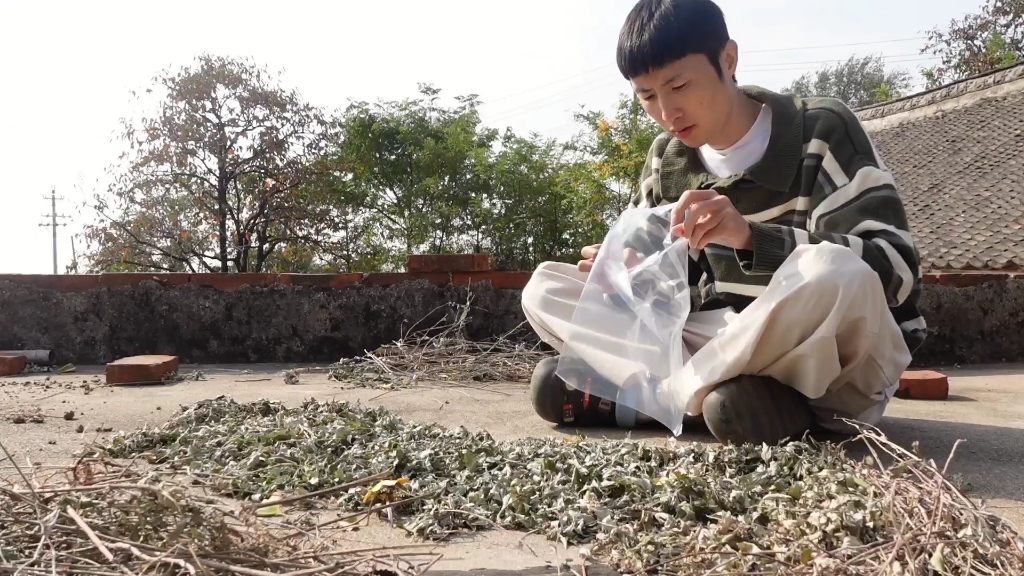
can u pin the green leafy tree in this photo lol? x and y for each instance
(351, 244)
(978, 43)
(215, 178)
(418, 168)
(545, 203)
(859, 81)
(617, 149)
(431, 178)
(550, 199)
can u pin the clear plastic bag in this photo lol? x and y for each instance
(625, 343)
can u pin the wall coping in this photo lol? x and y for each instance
(988, 82)
(510, 280)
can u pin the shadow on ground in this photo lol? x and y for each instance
(989, 460)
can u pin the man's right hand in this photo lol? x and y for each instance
(589, 255)
(630, 258)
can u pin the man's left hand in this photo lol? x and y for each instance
(705, 216)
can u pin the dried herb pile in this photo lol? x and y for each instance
(437, 354)
(804, 508)
(101, 518)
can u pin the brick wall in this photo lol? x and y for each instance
(83, 282)
(496, 279)
(973, 318)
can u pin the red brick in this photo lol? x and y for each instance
(332, 281)
(58, 282)
(393, 279)
(439, 278)
(141, 369)
(118, 280)
(464, 278)
(923, 385)
(512, 280)
(231, 282)
(420, 263)
(11, 364)
(499, 280)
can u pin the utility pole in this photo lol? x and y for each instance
(53, 222)
(74, 256)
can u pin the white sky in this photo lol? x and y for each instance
(68, 67)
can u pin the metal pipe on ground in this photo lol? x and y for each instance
(37, 357)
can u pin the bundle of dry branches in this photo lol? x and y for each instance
(441, 353)
(100, 518)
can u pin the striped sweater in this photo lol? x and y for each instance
(820, 180)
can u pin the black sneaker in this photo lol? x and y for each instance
(756, 409)
(558, 403)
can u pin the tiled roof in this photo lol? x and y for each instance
(957, 154)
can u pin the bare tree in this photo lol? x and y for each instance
(216, 178)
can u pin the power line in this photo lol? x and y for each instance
(612, 78)
(832, 45)
(535, 88)
(884, 57)
(783, 69)
(571, 93)
(742, 51)
(53, 216)
(761, 51)
(559, 129)
(545, 102)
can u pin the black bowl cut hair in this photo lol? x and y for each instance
(659, 32)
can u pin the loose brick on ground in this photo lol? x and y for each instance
(923, 385)
(151, 369)
(11, 364)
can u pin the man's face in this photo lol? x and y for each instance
(688, 98)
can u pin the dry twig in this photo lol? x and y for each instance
(441, 354)
(155, 526)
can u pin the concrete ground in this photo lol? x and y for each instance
(986, 409)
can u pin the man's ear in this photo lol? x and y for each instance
(729, 59)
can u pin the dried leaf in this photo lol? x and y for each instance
(938, 561)
(379, 487)
(275, 510)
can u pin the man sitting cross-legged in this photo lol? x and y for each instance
(796, 224)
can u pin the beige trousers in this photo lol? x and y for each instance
(821, 326)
